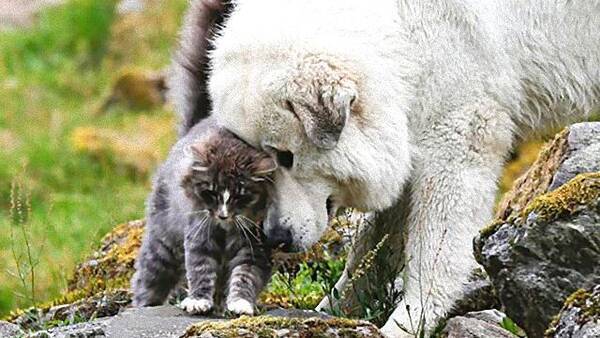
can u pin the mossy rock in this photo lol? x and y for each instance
(105, 276)
(544, 243)
(269, 326)
(66, 310)
(137, 90)
(113, 264)
(540, 257)
(536, 179)
(579, 317)
(552, 168)
(578, 193)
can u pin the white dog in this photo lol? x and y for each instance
(359, 98)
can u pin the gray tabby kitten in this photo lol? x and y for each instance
(202, 218)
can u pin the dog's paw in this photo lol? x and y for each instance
(240, 307)
(196, 306)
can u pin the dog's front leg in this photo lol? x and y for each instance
(453, 191)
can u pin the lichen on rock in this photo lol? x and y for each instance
(270, 326)
(113, 264)
(65, 311)
(537, 179)
(567, 199)
(544, 243)
(579, 317)
(137, 90)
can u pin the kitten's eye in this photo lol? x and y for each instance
(245, 199)
(208, 196)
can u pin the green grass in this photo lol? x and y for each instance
(304, 288)
(51, 78)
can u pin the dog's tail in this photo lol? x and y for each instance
(189, 72)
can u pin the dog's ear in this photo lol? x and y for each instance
(321, 95)
(264, 167)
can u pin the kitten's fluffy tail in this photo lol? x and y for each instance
(189, 73)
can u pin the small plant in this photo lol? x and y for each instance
(306, 287)
(510, 326)
(24, 257)
(378, 295)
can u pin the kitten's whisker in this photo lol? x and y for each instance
(243, 231)
(200, 225)
(197, 212)
(245, 225)
(252, 223)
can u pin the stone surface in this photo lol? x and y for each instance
(9, 330)
(534, 266)
(580, 317)
(479, 295)
(104, 304)
(582, 156)
(94, 329)
(482, 324)
(545, 243)
(169, 321)
(152, 322)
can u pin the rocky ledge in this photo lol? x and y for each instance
(545, 243)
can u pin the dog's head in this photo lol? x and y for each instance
(322, 113)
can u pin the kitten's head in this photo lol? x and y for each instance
(229, 179)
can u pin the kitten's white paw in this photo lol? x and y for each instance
(193, 305)
(241, 307)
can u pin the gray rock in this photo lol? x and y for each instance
(483, 324)
(538, 254)
(580, 317)
(479, 295)
(534, 267)
(151, 322)
(582, 155)
(94, 329)
(9, 330)
(493, 316)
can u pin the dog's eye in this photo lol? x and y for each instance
(285, 159)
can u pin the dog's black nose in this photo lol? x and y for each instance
(280, 238)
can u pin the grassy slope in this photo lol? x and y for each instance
(52, 77)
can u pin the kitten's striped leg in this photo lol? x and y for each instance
(158, 269)
(248, 276)
(201, 273)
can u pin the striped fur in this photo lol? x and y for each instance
(203, 219)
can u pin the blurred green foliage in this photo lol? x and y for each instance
(52, 76)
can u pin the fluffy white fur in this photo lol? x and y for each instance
(440, 90)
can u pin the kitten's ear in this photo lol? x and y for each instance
(265, 167)
(197, 152)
